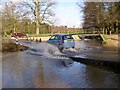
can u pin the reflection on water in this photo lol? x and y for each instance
(103, 78)
(27, 70)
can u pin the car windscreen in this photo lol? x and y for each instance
(68, 37)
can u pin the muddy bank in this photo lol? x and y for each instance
(110, 43)
(12, 47)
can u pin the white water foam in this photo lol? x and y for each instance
(47, 50)
(78, 47)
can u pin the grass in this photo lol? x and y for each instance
(40, 35)
(45, 35)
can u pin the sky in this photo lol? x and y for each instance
(67, 13)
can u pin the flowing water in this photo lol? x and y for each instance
(44, 66)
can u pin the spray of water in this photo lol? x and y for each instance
(51, 51)
(79, 46)
(47, 50)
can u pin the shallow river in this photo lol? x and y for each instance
(43, 66)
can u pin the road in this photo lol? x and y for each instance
(43, 66)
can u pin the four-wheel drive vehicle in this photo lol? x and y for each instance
(18, 35)
(62, 41)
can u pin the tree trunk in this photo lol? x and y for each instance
(38, 18)
(37, 27)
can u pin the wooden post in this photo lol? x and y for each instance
(103, 31)
(110, 32)
(117, 27)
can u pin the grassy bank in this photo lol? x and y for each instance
(40, 35)
(46, 35)
(112, 41)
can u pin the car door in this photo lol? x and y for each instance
(52, 39)
(57, 40)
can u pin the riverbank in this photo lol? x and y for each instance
(12, 47)
(112, 41)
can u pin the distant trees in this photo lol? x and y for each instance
(12, 19)
(27, 17)
(9, 18)
(101, 15)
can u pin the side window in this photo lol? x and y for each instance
(52, 38)
(57, 37)
(68, 37)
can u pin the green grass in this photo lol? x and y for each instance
(46, 35)
(40, 35)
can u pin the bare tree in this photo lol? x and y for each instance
(11, 17)
(41, 12)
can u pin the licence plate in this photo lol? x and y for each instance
(69, 40)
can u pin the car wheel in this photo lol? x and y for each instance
(60, 48)
(73, 47)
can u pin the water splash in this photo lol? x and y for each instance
(47, 50)
(78, 47)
